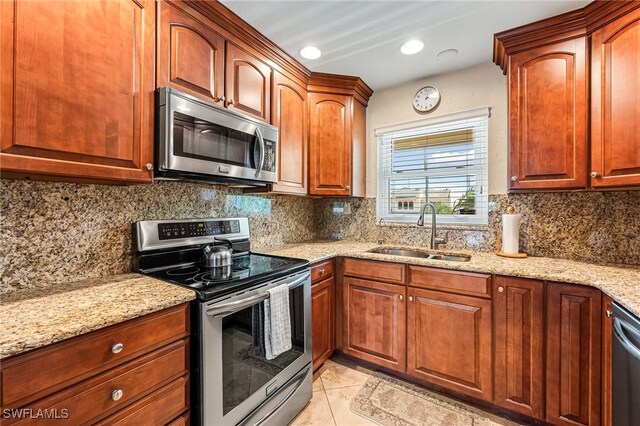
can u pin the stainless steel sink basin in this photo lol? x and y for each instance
(421, 254)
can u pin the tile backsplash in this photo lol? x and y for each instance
(590, 226)
(57, 232)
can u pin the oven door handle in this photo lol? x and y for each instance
(238, 305)
(261, 140)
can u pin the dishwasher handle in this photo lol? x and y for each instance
(618, 331)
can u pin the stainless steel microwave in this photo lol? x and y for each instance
(198, 140)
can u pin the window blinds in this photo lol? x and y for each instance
(442, 161)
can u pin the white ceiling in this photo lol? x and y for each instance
(363, 38)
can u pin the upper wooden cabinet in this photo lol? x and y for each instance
(573, 355)
(549, 104)
(615, 103)
(248, 83)
(548, 117)
(289, 115)
(337, 135)
(190, 54)
(77, 99)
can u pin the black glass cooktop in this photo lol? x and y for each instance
(246, 271)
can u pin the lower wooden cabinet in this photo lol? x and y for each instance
(607, 354)
(519, 345)
(135, 370)
(449, 341)
(573, 355)
(323, 302)
(374, 322)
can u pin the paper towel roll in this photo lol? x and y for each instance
(510, 233)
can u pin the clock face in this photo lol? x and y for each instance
(426, 99)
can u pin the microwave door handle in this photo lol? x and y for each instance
(261, 140)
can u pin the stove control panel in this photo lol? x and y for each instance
(176, 230)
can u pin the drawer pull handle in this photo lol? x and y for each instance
(117, 348)
(500, 289)
(117, 394)
(321, 271)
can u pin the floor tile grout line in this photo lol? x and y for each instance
(333, 417)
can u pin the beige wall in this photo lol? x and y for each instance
(479, 86)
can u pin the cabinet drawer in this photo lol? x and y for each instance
(450, 281)
(28, 377)
(381, 271)
(161, 407)
(321, 271)
(93, 399)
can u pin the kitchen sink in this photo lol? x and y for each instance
(421, 254)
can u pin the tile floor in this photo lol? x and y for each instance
(334, 384)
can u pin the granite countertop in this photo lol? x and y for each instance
(39, 316)
(621, 282)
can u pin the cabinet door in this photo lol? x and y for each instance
(374, 322)
(449, 341)
(248, 83)
(615, 103)
(323, 321)
(190, 54)
(329, 144)
(290, 117)
(548, 117)
(77, 99)
(519, 345)
(573, 354)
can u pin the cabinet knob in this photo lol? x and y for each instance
(594, 174)
(410, 298)
(514, 178)
(117, 348)
(348, 187)
(401, 297)
(609, 313)
(231, 102)
(222, 99)
(117, 394)
(321, 271)
(149, 166)
(500, 289)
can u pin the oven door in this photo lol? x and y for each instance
(201, 139)
(236, 376)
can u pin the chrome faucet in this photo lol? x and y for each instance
(380, 222)
(432, 206)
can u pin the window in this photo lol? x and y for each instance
(442, 160)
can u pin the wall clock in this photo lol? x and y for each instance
(426, 99)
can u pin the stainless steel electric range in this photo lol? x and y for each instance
(233, 382)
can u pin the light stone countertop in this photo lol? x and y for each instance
(39, 316)
(621, 282)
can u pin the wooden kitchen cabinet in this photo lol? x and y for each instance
(548, 117)
(374, 322)
(248, 83)
(615, 103)
(190, 54)
(607, 355)
(449, 341)
(77, 100)
(519, 345)
(573, 354)
(337, 135)
(323, 303)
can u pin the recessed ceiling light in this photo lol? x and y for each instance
(310, 52)
(411, 47)
(447, 54)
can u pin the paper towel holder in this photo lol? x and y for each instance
(510, 210)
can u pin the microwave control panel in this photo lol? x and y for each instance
(176, 230)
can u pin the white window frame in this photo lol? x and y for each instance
(482, 214)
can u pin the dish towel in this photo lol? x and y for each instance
(277, 323)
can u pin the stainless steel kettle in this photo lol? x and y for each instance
(217, 256)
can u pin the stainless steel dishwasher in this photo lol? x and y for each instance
(626, 367)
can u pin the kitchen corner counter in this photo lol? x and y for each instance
(40, 316)
(621, 282)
